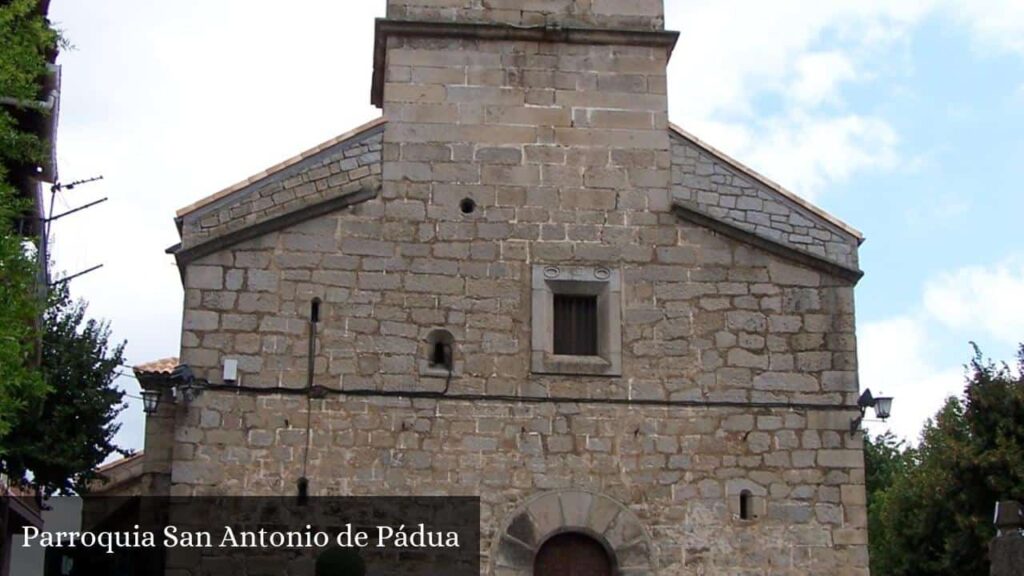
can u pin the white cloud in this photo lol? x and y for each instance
(810, 152)
(807, 153)
(979, 298)
(898, 359)
(723, 61)
(724, 66)
(946, 207)
(996, 25)
(819, 75)
(901, 357)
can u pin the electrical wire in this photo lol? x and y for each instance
(417, 394)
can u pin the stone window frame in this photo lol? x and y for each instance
(600, 281)
(425, 349)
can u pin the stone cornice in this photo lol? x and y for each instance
(184, 256)
(386, 27)
(691, 213)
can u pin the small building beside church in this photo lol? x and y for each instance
(523, 283)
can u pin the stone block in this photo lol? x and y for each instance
(850, 536)
(841, 458)
(495, 155)
(853, 495)
(785, 381)
(828, 420)
(745, 359)
(205, 277)
(200, 320)
(262, 280)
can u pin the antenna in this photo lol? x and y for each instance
(75, 275)
(44, 253)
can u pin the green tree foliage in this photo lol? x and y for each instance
(886, 459)
(63, 438)
(930, 507)
(57, 415)
(25, 39)
(19, 309)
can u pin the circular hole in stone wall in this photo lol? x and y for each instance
(467, 205)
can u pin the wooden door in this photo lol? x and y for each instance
(572, 554)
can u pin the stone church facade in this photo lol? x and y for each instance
(523, 283)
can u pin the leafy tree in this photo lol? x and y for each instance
(26, 39)
(930, 508)
(19, 309)
(64, 437)
(886, 457)
(886, 460)
(57, 414)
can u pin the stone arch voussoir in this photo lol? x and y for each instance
(542, 516)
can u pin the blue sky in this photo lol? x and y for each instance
(902, 118)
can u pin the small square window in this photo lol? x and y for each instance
(575, 325)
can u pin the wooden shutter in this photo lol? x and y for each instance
(575, 326)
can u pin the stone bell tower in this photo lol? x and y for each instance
(558, 104)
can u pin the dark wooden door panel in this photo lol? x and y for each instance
(572, 554)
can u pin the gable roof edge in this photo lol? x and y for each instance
(358, 130)
(748, 171)
(689, 212)
(184, 256)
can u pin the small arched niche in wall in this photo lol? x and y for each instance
(437, 355)
(747, 500)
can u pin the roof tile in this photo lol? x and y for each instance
(161, 366)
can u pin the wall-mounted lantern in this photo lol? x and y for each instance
(881, 404)
(186, 386)
(150, 401)
(182, 383)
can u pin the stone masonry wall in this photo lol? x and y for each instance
(565, 151)
(340, 169)
(729, 195)
(678, 469)
(629, 14)
(703, 317)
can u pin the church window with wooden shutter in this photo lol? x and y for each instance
(576, 325)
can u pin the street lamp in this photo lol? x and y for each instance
(150, 401)
(882, 406)
(182, 384)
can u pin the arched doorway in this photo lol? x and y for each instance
(572, 554)
(610, 531)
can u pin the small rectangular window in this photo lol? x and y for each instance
(575, 325)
